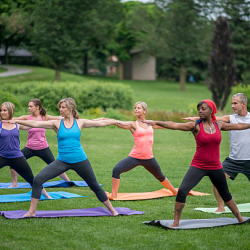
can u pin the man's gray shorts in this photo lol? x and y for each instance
(235, 167)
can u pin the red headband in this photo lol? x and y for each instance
(212, 105)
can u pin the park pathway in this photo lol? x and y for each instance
(13, 71)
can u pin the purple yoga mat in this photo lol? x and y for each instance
(96, 211)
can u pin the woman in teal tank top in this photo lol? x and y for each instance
(70, 152)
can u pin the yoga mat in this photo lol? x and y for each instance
(96, 211)
(198, 223)
(27, 196)
(243, 208)
(51, 184)
(148, 195)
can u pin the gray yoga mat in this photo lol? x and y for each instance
(197, 223)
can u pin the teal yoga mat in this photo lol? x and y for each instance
(27, 196)
(243, 208)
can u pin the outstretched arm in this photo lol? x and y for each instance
(172, 125)
(120, 124)
(51, 117)
(233, 126)
(84, 123)
(34, 124)
(23, 117)
(225, 118)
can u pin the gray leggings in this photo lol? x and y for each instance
(20, 165)
(194, 176)
(129, 163)
(57, 167)
(45, 154)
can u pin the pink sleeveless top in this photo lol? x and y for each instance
(143, 139)
(36, 138)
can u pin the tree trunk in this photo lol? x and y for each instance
(182, 77)
(85, 61)
(57, 74)
(6, 57)
(120, 70)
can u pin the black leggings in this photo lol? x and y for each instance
(129, 163)
(45, 154)
(194, 176)
(57, 167)
(20, 165)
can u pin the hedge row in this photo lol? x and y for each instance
(8, 97)
(87, 95)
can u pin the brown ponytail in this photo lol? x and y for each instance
(42, 110)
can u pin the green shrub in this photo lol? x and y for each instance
(117, 114)
(87, 94)
(192, 109)
(166, 116)
(91, 113)
(6, 96)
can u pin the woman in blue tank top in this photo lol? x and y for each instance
(10, 153)
(70, 152)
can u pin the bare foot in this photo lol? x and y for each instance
(109, 195)
(114, 213)
(48, 197)
(220, 210)
(29, 215)
(175, 192)
(13, 186)
(174, 225)
(241, 220)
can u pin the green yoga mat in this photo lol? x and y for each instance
(243, 208)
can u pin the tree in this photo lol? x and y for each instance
(65, 30)
(124, 40)
(174, 31)
(238, 13)
(99, 30)
(54, 37)
(221, 64)
(14, 23)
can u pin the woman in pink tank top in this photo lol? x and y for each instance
(206, 161)
(142, 152)
(36, 143)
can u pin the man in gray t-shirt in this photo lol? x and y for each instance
(239, 157)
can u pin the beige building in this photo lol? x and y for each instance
(140, 68)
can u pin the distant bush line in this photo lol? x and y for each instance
(87, 95)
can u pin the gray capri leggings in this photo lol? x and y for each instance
(194, 176)
(57, 167)
(129, 163)
(45, 154)
(20, 165)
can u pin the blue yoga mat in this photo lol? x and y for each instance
(61, 183)
(27, 196)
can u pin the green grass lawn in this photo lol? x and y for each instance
(107, 146)
(159, 95)
(2, 70)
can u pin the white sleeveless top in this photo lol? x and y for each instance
(239, 139)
